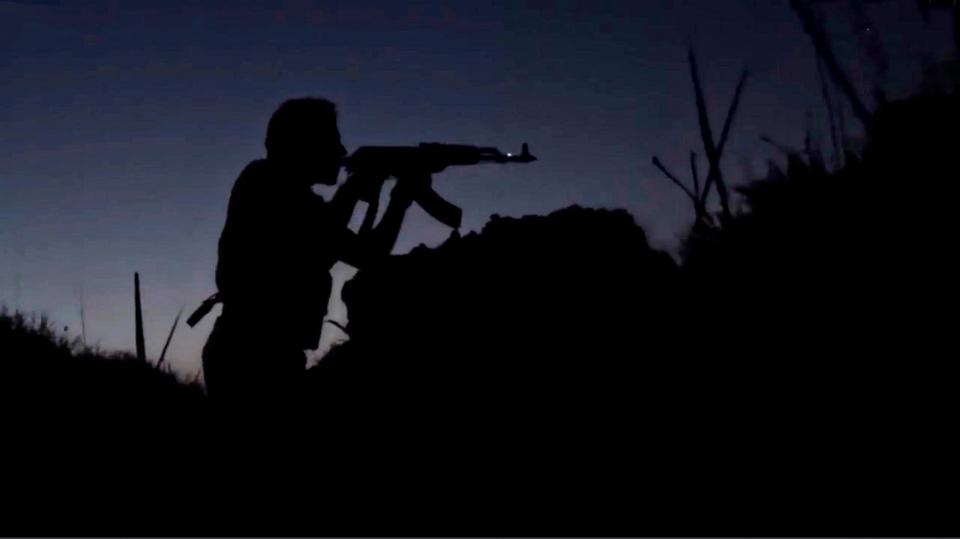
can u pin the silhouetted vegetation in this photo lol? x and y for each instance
(94, 442)
(713, 150)
(791, 358)
(43, 366)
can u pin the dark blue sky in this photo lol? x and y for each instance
(124, 124)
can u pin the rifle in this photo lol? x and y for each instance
(378, 163)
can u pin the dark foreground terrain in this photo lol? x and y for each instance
(554, 375)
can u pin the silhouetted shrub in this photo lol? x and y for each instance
(49, 378)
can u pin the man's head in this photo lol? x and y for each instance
(303, 138)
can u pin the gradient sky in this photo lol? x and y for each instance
(125, 124)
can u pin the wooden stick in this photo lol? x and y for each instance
(138, 315)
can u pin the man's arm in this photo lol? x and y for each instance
(344, 201)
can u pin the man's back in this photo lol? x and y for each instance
(275, 253)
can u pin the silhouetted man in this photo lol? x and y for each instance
(277, 247)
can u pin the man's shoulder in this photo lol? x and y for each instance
(252, 176)
(254, 169)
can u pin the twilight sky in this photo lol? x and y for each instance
(124, 124)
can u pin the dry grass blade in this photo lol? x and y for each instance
(786, 151)
(704, 120)
(831, 115)
(658, 164)
(822, 45)
(732, 111)
(706, 134)
(166, 345)
(696, 175)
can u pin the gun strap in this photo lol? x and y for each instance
(204, 309)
